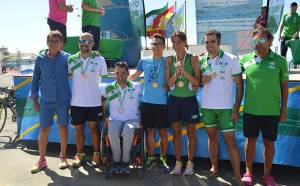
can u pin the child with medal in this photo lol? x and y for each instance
(182, 73)
(154, 112)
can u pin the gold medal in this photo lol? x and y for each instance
(83, 76)
(121, 110)
(180, 84)
(213, 75)
(154, 85)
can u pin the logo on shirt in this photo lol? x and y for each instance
(272, 65)
(153, 72)
(286, 74)
(222, 77)
(231, 124)
(194, 116)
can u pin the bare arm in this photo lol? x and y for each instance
(135, 75)
(65, 7)
(280, 31)
(295, 35)
(86, 7)
(170, 79)
(195, 80)
(238, 97)
(284, 98)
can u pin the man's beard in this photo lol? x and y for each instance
(83, 50)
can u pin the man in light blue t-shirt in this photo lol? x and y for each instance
(154, 101)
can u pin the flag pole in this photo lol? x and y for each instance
(145, 26)
(185, 17)
(167, 38)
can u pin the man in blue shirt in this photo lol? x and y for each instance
(50, 76)
(154, 101)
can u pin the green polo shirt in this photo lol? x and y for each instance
(291, 23)
(262, 95)
(294, 44)
(88, 17)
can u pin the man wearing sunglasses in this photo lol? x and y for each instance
(123, 96)
(87, 71)
(291, 26)
(219, 71)
(90, 20)
(154, 101)
(266, 78)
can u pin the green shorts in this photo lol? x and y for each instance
(220, 118)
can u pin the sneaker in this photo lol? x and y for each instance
(177, 169)
(164, 165)
(79, 159)
(189, 170)
(115, 168)
(125, 168)
(39, 166)
(150, 162)
(63, 163)
(96, 159)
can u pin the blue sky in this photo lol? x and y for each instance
(24, 23)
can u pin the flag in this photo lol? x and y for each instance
(150, 16)
(274, 15)
(176, 22)
(137, 16)
(160, 22)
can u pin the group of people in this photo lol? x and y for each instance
(168, 95)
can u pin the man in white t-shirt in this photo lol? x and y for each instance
(87, 72)
(123, 96)
(219, 70)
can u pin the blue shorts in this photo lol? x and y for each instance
(47, 111)
(183, 107)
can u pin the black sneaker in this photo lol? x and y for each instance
(115, 168)
(125, 168)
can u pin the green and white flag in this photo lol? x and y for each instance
(274, 15)
(137, 15)
(150, 16)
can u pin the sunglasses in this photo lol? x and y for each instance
(262, 40)
(85, 42)
(122, 64)
(159, 45)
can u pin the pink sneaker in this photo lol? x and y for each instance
(269, 181)
(247, 179)
(39, 166)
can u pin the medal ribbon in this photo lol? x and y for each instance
(86, 66)
(155, 75)
(180, 76)
(121, 99)
(217, 64)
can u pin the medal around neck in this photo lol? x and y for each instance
(180, 84)
(213, 75)
(121, 110)
(154, 85)
(83, 76)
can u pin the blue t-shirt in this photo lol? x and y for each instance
(150, 94)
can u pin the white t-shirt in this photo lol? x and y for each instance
(130, 103)
(86, 93)
(218, 93)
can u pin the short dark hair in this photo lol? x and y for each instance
(55, 33)
(214, 32)
(262, 30)
(264, 7)
(181, 35)
(159, 36)
(294, 4)
(122, 65)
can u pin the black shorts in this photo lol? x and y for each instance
(154, 115)
(79, 115)
(95, 31)
(268, 125)
(183, 107)
(58, 26)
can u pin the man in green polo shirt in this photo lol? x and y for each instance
(291, 25)
(90, 20)
(267, 78)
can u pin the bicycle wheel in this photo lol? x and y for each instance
(3, 116)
